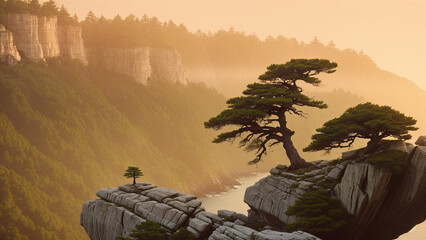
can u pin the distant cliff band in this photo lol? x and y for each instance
(41, 37)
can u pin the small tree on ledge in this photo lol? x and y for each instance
(369, 121)
(133, 172)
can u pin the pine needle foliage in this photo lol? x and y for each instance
(369, 121)
(133, 172)
(150, 230)
(147, 230)
(321, 214)
(182, 234)
(260, 114)
(391, 159)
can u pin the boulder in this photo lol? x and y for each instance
(334, 174)
(398, 145)
(421, 141)
(351, 154)
(228, 215)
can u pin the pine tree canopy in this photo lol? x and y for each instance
(133, 172)
(369, 121)
(260, 113)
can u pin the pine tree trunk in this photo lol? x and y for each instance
(371, 145)
(134, 180)
(296, 160)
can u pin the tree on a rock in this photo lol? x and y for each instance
(133, 172)
(261, 114)
(369, 121)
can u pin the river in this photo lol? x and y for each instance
(232, 200)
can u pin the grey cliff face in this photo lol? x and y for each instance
(140, 63)
(8, 51)
(25, 31)
(167, 64)
(384, 205)
(132, 62)
(71, 42)
(48, 36)
(40, 37)
(119, 209)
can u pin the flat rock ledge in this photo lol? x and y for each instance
(118, 210)
(384, 205)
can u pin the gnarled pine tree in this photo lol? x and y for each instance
(261, 113)
(367, 120)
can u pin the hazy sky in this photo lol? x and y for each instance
(393, 33)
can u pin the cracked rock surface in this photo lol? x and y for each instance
(118, 210)
(383, 204)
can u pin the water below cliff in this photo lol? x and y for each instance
(232, 199)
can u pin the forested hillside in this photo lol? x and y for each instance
(67, 130)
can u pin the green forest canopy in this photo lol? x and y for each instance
(368, 121)
(48, 8)
(63, 124)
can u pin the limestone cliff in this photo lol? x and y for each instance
(133, 62)
(48, 36)
(118, 211)
(167, 64)
(140, 63)
(8, 51)
(71, 42)
(383, 204)
(40, 37)
(24, 27)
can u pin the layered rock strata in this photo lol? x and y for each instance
(118, 211)
(48, 36)
(25, 31)
(140, 63)
(8, 51)
(383, 204)
(40, 37)
(167, 64)
(132, 62)
(71, 42)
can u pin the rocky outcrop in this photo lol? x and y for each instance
(8, 52)
(421, 141)
(25, 31)
(167, 64)
(40, 37)
(133, 62)
(48, 36)
(140, 63)
(119, 209)
(71, 42)
(383, 204)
